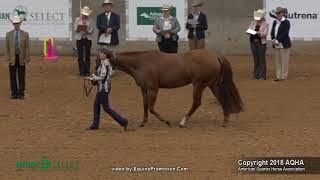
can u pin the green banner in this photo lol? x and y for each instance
(147, 15)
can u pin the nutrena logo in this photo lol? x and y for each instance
(297, 15)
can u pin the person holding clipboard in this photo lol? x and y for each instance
(197, 25)
(108, 24)
(258, 31)
(84, 29)
(166, 28)
(281, 43)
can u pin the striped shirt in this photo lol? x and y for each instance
(103, 76)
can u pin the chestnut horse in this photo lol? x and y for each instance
(153, 70)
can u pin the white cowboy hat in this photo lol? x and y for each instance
(259, 14)
(166, 7)
(15, 19)
(197, 3)
(86, 11)
(107, 2)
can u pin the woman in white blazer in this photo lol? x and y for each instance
(83, 28)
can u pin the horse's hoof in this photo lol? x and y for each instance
(168, 123)
(141, 125)
(224, 125)
(182, 126)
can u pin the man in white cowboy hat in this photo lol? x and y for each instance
(258, 44)
(197, 25)
(18, 54)
(84, 28)
(108, 24)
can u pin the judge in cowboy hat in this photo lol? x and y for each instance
(84, 29)
(197, 25)
(166, 28)
(108, 24)
(258, 43)
(282, 43)
(17, 54)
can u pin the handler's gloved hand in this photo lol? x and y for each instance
(92, 76)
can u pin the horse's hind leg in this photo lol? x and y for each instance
(145, 106)
(152, 96)
(226, 116)
(197, 94)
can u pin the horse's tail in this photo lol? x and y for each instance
(226, 91)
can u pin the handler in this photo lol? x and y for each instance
(103, 78)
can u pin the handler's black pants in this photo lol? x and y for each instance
(102, 98)
(17, 73)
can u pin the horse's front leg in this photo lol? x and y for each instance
(152, 96)
(145, 107)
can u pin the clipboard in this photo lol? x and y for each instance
(252, 32)
(83, 28)
(104, 39)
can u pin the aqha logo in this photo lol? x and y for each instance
(296, 15)
(295, 162)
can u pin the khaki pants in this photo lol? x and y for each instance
(282, 63)
(196, 43)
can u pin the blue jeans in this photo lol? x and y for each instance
(102, 98)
